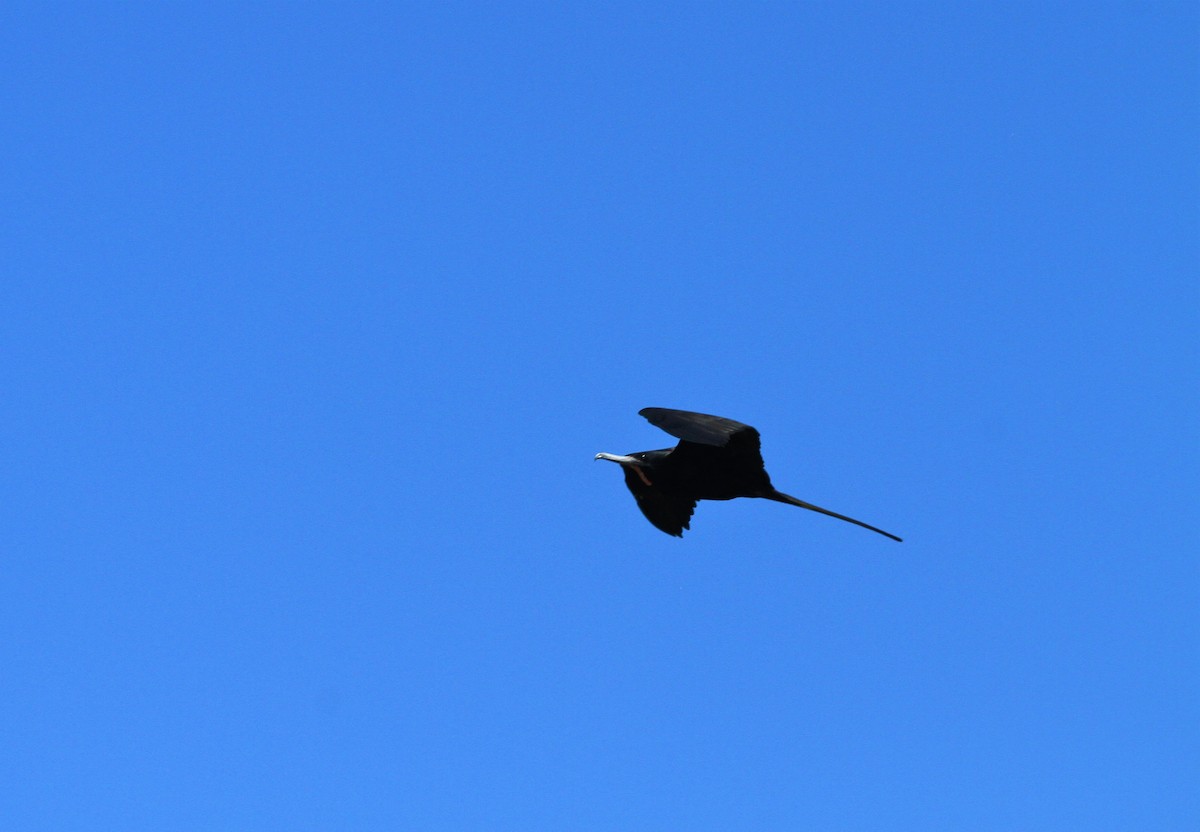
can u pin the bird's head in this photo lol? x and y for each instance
(643, 464)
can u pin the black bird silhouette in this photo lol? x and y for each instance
(716, 459)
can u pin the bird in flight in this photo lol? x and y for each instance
(716, 459)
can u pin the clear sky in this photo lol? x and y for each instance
(313, 316)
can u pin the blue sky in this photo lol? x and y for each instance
(314, 316)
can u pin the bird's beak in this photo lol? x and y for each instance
(623, 460)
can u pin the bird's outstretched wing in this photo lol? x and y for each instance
(669, 512)
(699, 427)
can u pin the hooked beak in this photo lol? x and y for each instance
(623, 460)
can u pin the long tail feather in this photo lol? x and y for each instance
(780, 497)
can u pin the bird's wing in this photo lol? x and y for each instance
(700, 427)
(668, 512)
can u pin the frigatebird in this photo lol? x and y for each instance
(716, 459)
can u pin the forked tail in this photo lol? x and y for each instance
(780, 497)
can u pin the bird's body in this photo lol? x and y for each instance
(716, 459)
